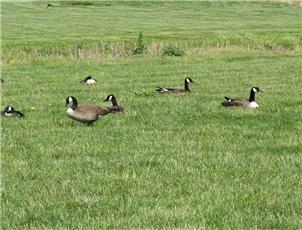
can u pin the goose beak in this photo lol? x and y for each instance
(105, 100)
(261, 91)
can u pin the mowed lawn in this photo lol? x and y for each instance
(170, 161)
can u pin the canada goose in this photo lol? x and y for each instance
(84, 113)
(250, 103)
(10, 111)
(88, 80)
(176, 90)
(115, 107)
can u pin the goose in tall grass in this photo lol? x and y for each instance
(88, 80)
(186, 89)
(10, 111)
(84, 113)
(246, 103)
(115, 107)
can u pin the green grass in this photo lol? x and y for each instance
(113, 27)
(171, 161)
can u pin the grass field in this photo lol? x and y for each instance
(171, 161)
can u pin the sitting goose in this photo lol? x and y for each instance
(115, 107)
(250, 103)
(84, 113)
(88, 80)
(176, 90)
(10, 111)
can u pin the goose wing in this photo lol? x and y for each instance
(89, 112)
(233, 102)
(99, 111)
(19, 114)
(229, 99)
(161, 89)
(169, 90)
(115, 109)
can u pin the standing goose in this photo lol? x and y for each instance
(115, 107)
(84, 113)
(10, 111)
(88, 80)
(176, 90)
(250, 103)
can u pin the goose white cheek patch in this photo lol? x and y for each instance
(110, 98)
(70, 99)
(255, 90)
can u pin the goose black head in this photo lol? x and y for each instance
(189, 80)
(87, 78)
(253, 92)
(112, 98)
(256, 90)
(9, 109)
(109, 97)
(73, 100)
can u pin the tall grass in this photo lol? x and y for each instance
(98, 29)
(95, 51)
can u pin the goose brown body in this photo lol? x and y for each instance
(85, 113)
(235, 102)
(186, 89)
(115, 109)
(171, 90)
(246, 103)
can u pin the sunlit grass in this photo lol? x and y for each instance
(170, 161)
(102, 29)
